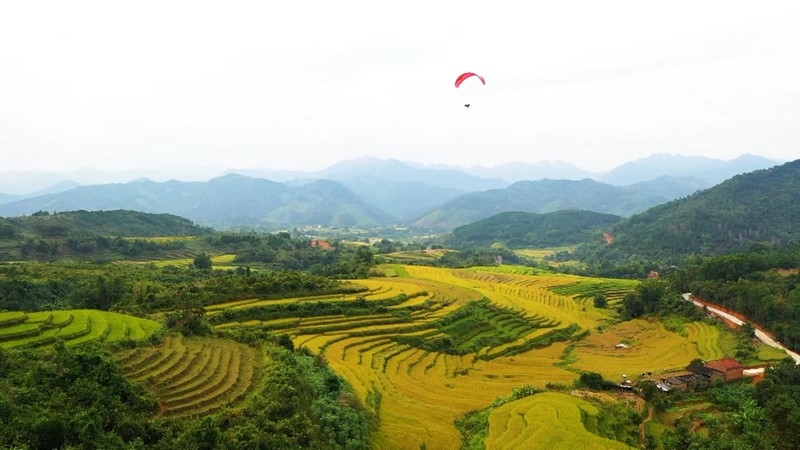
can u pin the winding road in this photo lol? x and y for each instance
(760, 334)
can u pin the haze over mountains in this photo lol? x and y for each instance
(371, 192)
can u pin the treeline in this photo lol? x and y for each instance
(86, 244)
(92, 235)
(280, 251)
(763, 285)
(79, 399)
(107, 223)
(145, 288)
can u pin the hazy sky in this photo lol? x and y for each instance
(303, 84)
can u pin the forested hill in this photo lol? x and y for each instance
(104, 223)
(521, 229)
(544, 196)
(761, 206)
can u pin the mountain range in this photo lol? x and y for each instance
(369, 192)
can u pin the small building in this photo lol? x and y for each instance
(699, 367)
(729, 368)
(684, 382)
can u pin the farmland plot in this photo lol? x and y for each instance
(424, 347)
(548, 420)
(193, 377)
(649, 347)
(438, 352)
(74, 327)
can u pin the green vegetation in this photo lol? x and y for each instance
(608, 291)
(478, 325)
(733, 416)
(144, 288)
(522, 230)
(93, 235)
(754, 284)
(79, 398)
(758, 207)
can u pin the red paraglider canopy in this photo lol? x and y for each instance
(466, 75)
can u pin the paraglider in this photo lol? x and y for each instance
(466, 75)
(463, 77)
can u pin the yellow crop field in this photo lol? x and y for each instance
(423, 391)
(549, 420)
(192, 377)
(223, 259)
(537, 254)
(427, 345)
(650, 348)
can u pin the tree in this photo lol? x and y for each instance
(591, 380)
(202, 261)
(600, 300)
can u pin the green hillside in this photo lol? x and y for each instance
(107, 223)
(521, 229)
(544, 196)
(95, 235)
(760, 206)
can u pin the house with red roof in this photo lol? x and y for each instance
(729, 367)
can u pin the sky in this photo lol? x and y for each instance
(301, 85)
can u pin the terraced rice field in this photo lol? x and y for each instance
(549, 420)
(74, 327)
(427, 345)
(651, 348)
(585, 289)
(192, 377)
(429, 361)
